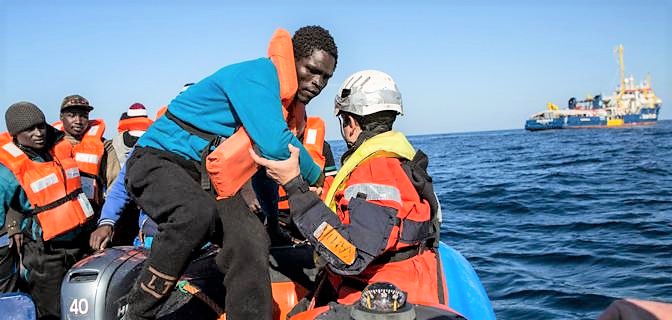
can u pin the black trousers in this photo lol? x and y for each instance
(168, 188)
(9, 269)
(47, 262)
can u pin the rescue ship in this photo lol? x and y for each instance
(631, 104)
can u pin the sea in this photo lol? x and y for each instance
(558, 224)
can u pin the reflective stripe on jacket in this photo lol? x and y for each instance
(88, 154)
(53, 189)
(373, 172)
(313, 140)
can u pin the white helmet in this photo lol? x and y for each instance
(367, 92)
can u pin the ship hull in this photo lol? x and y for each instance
(648, 116)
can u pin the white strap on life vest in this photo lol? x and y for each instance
(311, 136)
(43, 183)
(85, 204)
(93, 130)
(373, 191)
(72, 173)
(86, 157)
(12, 149)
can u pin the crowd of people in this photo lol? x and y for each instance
(225, 157)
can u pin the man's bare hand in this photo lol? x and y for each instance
(280, 171)
(101, 237)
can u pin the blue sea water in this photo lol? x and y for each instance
(558, 224)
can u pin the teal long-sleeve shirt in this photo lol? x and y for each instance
(11, 194)
(247, 94)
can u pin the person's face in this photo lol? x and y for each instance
(34, 137)
(75, 121)
(313, 73)
(350, 129)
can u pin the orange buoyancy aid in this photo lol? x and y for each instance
(160, 112)
(53, 189)
(313, 141)
(375, 170)
(233, 152)
(134, 124)
(88, 154)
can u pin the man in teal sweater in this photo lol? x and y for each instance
(164, 175)
(46, 261)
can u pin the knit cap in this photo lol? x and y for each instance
(136, 110)
(22, 116)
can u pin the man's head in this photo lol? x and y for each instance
(136, 110)
(315, 54)
(368, 101)
(26, 123)
(75, 115)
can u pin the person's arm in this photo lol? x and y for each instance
(14, 203)
(255, 98)
(633, 309)
(115, 203)
(348, 248)
(112, 165)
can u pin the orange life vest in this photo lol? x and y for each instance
(88, 154)
(53, 189)
(230, 165)
(313, 141)
(160, 112)
(374, 171)
(134, 124)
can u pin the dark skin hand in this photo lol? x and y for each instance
(101, 237)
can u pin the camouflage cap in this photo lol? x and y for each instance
(75, 100)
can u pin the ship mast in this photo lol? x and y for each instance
(619, 49)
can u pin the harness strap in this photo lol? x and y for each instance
(189, 128)
(399, 255)
(68, 197)
(213, 141)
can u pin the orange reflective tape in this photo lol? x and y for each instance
(336, 243)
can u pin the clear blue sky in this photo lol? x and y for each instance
(461, 65)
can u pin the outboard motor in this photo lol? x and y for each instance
(97, 286)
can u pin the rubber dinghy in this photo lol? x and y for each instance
(97, 287)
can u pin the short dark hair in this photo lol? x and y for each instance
(378, 122)
(310, 38)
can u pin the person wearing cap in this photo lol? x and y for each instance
(85, 138)
(165, 175)
(46, 188)
(379, 219)
(118, 214)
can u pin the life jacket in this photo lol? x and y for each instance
(313, 141)
(88, 154)
(160, 112)
(230, 165)
(407, 259)
(53, 189)
(414, 217)
(134, 124)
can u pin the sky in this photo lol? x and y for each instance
(460, 65)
